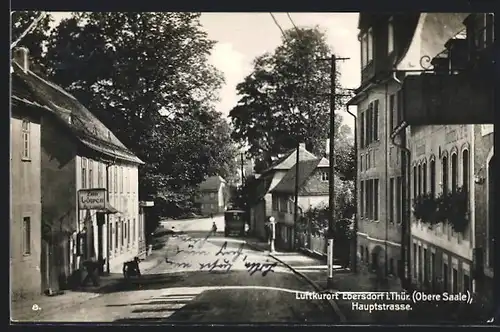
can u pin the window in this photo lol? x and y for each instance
(362, 138)
(324, 176)
(212, 195)
(84, 173)
(446, 273)
(91, 174)
(25, 129)
(122, 222)
(375, 120)
(120, 180)
(467, 286)
(424, 178)
(415, 183)
(432, 166)
(420, 263)
(415, 260)
(133, 230)
(391, 200)
(126, 179)
(26, 236)
(391, 266)
(115, 180)
(117, 229)
(431, 270)
(375, 199)
(399, 200)
(369, 45)
(392, 113)
(454, 277)
(275, 204)
(445, 175)
(367, 255)
(110, 236)
(419, 179)
(362, 252)
(99, 175)
(362, 199)
(390, 37)
(454, 172)
(426, 267)
(369, 124)
(364, 50)
(465, 170)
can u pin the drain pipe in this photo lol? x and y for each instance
(354, 263)
(405, 206)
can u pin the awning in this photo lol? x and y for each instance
(108, 209)
(431, 34)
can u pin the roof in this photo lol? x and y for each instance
(31, 89)
(287, 184)
(288, 160)
(431, 33)
(212, 183)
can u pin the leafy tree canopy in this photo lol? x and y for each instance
(147, 77)
(286, 98)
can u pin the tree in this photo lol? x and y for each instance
(147, 77)
(35, 40)
(285, 99)
(345, 153)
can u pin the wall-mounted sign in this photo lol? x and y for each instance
(92, 199)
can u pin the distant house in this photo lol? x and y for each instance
(89, 185)
(313, 191)
(261, 208)
(212, 195)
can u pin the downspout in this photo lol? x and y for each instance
(108, 233)
(356, 218)
(405, 205)
(386, 170)
(472, 191)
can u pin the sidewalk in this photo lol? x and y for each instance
(315, 271)
(28, 310)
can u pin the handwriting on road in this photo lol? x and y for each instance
(224, 258)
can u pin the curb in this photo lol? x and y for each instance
(318, 289)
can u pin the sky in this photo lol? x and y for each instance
(241, 37)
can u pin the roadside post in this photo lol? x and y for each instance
(273, 233)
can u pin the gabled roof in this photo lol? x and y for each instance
(212, 183)
(288, 160)
(31, 89)
(287, 184)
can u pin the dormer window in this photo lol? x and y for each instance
(324, 176)
(390, 36)
(366, 48)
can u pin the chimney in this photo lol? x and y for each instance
(302, 146)
(21, 58)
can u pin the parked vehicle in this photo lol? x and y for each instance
(235, 222)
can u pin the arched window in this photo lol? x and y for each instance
(444, 179)
(454, 172)
(465, 170)
(424, 178)
(432, 169)
(415, 183)
(419, 179)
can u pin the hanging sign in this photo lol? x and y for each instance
(92, 199)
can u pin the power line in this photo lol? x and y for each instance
(290, 18)
(279, 26)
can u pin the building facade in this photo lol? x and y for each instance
(449, 113)
(212, 195)
(313, 192)
(383, 39)
(79, 155)
(25, 201)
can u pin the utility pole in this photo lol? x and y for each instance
(296, 206)
(242, 176)
(331, 181)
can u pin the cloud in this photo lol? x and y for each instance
(234, 66)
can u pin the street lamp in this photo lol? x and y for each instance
(273, 232)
